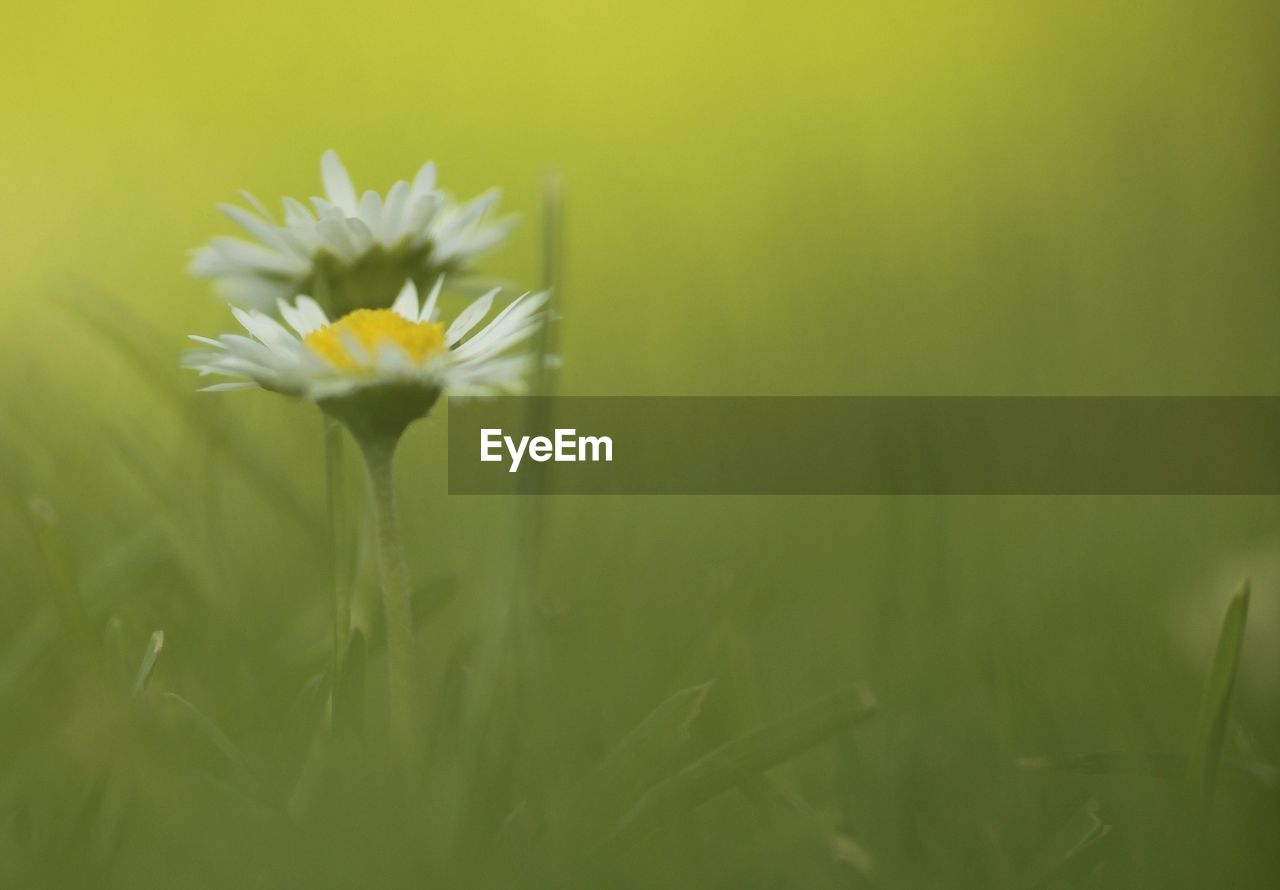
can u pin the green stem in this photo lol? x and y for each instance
(336, 486)
(378, 454)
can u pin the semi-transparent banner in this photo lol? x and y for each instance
(865, 445)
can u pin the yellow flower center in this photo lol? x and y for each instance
(371, 328)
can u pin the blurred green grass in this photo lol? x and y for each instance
(961, 197)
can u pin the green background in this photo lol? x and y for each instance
(805, 198)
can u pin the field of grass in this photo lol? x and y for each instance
(682, 692)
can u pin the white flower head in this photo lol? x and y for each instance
(376, 369)
(349, 250)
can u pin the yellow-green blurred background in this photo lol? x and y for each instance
(978, 196)
(801, 198)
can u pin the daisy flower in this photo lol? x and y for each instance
(349, 250)
(376, 370)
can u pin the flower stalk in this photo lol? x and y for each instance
(379, 453)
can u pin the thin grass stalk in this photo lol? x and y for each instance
(63, 587)
(514, 597)
(335, 484)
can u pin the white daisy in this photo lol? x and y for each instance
(349, 251)
(379, 367)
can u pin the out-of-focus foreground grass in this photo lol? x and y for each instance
(821, 197)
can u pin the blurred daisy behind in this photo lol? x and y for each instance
(347, 250)
(376, 369)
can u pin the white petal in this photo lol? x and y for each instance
(429, 307)
(255, 225)
(351, 343)
(228, 387)
(393, 213)
(371, 210)
(496, 376)
(521, 308)
(257, 205)
(325, 208)
(296, 212)
(422, 212)
(481, 241)
(292, 317)
(393, 360)
(305, 234)
(510, 326)
(232, 255)
(425, 182)
(244, 347)
(468, 318)
(312, 315)
(360, 235)
(337, 238)
(266, 329)
(406, 304)
(233, 366)
(477, 207)
(492, 347)
(337, 182)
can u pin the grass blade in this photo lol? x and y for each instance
(1157, 764)
(741, 759)
(149, 656)
(135, 344)
(64, 588)
(1084, 829)
(651, 748)
(1215, 706)
(204, 741)
(348, 691)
